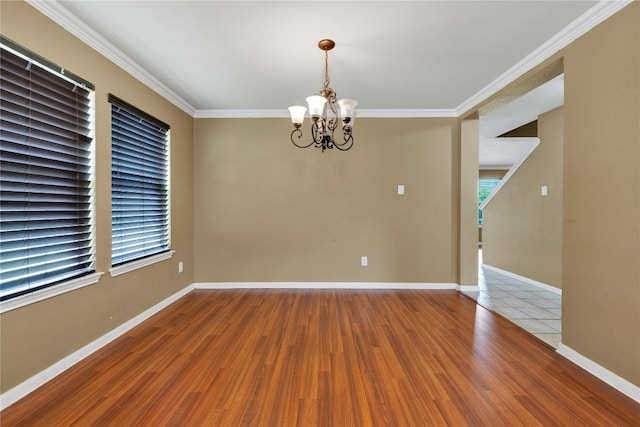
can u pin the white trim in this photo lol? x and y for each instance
(544, 286)
(134, 265)
(322, 285)
(614, 380)
(468, 288)
(407, 113)
(512, 171)
(592, 17)
(49, 292)
(18, 392)
(60, 15)
(241, 114)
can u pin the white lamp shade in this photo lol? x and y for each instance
(347, 107)
(297, 113)
(316, 105)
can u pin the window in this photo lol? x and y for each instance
(485, 187)
(139, 184)
(46, 174)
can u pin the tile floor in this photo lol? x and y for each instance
(534, 309)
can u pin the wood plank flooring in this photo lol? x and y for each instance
(324, 358)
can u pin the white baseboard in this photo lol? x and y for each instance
(614, 380)
(322, 285)
(18, 392)
(524, 279)
(468, 288)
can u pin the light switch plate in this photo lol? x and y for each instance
(544, 190)
(401, 189)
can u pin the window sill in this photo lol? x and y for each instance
(134, 265)
(50, 292)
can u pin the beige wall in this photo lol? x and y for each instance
(36, 336)
(493, 173)
(522, 230)
(601, 229)
(266, 211)
(469, 236)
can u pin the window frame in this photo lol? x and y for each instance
(122, 112)
(53, 78)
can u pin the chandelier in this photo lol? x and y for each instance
(324, 117)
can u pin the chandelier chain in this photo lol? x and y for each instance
(326, 69)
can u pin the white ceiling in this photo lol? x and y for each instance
(397, 58)
(263, 55)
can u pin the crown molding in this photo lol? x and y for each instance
(592, 17)
(408, 113)
(56, 12)
(255, 114)
(240, 114)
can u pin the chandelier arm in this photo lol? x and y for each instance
(344, 146)
(317, 133)
(348, 140)
(333, 98)
(332, 124)
(299, 132)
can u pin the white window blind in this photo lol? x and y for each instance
(46, 174)
(139, 183)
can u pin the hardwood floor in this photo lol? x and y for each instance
(324, 358)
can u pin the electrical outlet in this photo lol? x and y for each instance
(180, 267)
(544, 190)
(364, 261)
(400, 189)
